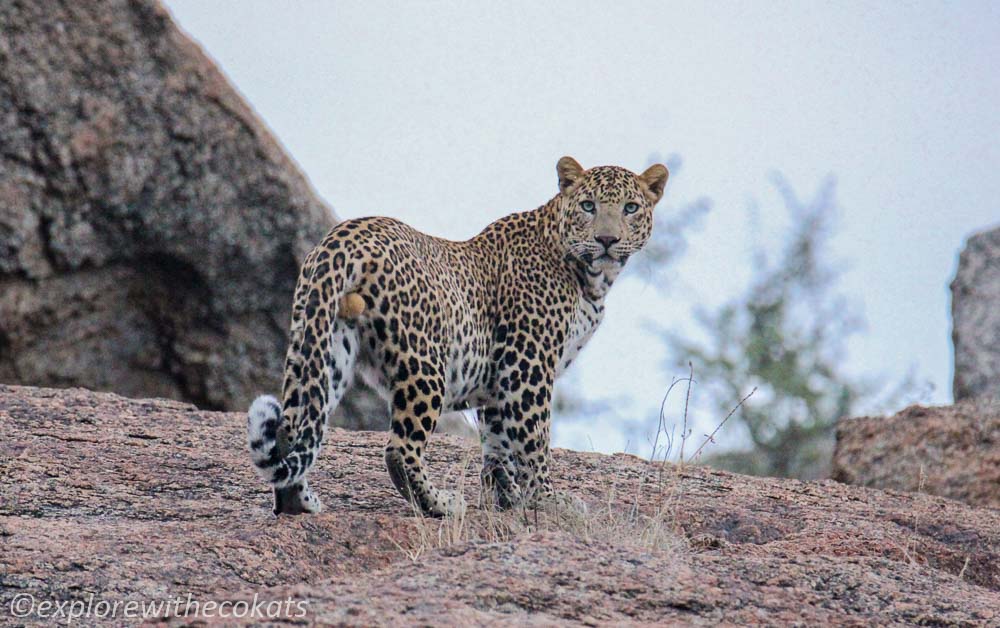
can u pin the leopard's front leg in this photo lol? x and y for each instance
(500, 467)
(515, 430)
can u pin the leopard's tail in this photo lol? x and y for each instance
(285, 439)
(269, 448)
(263, 422)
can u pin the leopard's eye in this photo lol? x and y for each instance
(588, 206)
(631, 208)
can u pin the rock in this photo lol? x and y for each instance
(975, 311)
(951, 451)
(155, 500)
(151, 228)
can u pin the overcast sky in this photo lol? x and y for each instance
(448, 115)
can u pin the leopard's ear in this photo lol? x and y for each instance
(655, 179)
(569, 171)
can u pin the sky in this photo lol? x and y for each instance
(449, 115)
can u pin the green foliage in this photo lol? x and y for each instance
(784, 335)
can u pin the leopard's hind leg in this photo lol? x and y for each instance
(296, 497)
(416, 405)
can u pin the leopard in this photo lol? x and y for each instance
(434, 325)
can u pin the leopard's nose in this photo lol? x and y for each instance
(606, 240)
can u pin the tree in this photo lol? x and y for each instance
(785, 335)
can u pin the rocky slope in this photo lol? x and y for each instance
(151, 500)
(951, 451)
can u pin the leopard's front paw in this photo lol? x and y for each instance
(553, 501)
(499, 488)
(447, 503)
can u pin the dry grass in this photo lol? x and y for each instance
(909, 548)
(638, 516)
(912, 540)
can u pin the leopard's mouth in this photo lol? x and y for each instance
(605, 259)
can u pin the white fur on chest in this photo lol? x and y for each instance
(586, 318)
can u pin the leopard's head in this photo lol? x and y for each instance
(606, 213)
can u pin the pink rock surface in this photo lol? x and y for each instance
(951, 451)
(151, 499)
